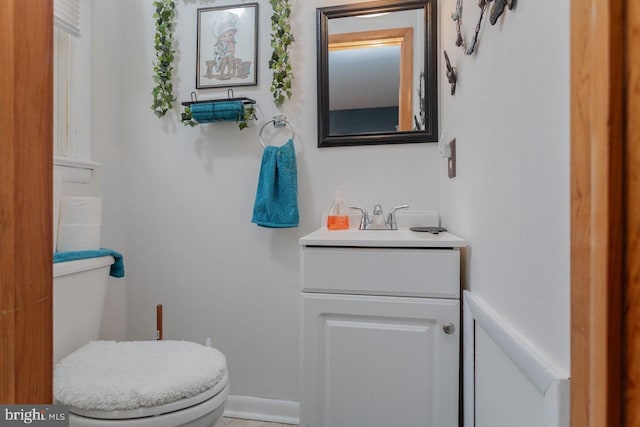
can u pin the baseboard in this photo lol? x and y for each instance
(259, 409)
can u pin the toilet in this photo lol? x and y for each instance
(132, 383)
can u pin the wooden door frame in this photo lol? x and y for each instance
(605, 232)
(26, 168)
(631, 379)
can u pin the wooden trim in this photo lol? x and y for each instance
(597, 132)
(402, 37)
(632, 180)
(7, 190)
(26, 169)
(393, 36)
(405, 119)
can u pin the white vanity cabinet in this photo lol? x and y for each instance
(380, 329)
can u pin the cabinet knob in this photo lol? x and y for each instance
(448, 328)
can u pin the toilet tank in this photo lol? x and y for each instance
(79, 289)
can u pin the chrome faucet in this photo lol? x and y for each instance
(377, 222)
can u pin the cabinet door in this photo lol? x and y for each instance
(371, 361)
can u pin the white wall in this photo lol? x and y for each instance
(188, 195)
(519, 404)
(510, 199)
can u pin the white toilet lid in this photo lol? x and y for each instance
(108, 379)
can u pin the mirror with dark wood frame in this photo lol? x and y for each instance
(377, 73)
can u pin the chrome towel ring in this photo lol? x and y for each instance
(278, 122)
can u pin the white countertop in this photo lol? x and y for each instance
(402, 238)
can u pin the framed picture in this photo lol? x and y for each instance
(227, 43)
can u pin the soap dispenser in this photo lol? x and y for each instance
(338, 218)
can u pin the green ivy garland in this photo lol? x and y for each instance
(187, 117)
(281, 39)
(249, 114)
(163, 67)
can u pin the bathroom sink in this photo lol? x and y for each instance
(381, 238)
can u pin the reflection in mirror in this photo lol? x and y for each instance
(372, 84)
(382, 59)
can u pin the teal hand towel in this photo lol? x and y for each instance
(217, 111)
(117, 268)
(276, 202)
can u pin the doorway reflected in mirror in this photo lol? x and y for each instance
(380, 59)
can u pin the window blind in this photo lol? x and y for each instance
(66, 15)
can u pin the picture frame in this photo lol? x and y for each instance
(227, 46)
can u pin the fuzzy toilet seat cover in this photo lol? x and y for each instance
(115, 376)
